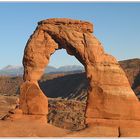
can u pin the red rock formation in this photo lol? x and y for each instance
(110, 94)
(132, 70)
(32, 100)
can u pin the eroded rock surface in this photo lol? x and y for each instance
(33, 100)
(109, 92)
(132, 70)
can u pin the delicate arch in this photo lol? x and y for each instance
(109, 91)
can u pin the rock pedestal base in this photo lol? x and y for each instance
(32, 100)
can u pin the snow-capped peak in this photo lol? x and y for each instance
(10, 67)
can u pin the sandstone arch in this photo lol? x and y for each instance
(110, 95)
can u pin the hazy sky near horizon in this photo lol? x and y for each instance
(116, 25)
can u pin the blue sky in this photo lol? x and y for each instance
(116, 25)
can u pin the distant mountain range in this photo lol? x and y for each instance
(11, 70)
(75, 83)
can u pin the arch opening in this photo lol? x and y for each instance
(66, 89)
(72, 76)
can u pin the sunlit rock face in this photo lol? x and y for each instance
(109, 92)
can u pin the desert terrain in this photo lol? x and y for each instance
(66, 108)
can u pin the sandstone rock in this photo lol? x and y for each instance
(15, 111)
(132, 70)
(97, 131)
(32, 100)
(130, 132)
(109, 92)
